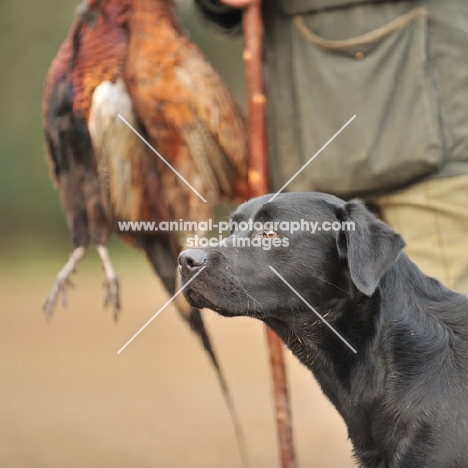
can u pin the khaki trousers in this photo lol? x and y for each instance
(432, 217)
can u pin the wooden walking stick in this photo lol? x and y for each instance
(258, 185)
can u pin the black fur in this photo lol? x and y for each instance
(404, 394)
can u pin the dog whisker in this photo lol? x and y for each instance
(251, 297)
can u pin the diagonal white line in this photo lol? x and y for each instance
(313, 310)
(312, 158)
(160, 310)
(162, 159)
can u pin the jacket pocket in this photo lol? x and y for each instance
(294, 7)
(383, 77)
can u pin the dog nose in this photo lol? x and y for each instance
(191, 260)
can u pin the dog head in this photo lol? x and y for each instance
(297, 248)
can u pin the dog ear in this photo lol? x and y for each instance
(371, 247)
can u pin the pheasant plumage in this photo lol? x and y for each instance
(127, 63)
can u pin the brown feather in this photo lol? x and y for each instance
(188, 114)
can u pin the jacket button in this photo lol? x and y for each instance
(359, 55)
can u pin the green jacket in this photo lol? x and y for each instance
(400, 66)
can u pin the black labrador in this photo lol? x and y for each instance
(404, 393)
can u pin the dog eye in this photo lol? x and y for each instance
(270, 234)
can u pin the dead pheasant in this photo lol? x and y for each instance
(125, 67)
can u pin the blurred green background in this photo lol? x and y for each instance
(31, 221)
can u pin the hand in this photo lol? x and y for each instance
(239, 3)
